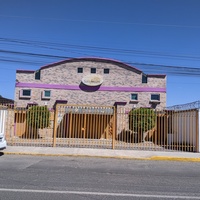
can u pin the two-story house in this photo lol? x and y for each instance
(90, 81)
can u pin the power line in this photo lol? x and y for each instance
(18, 61)
(32, 54)
(54, 46)
(148, 67)
(101, 21)
(169, 70)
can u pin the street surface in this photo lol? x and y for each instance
(36, 177)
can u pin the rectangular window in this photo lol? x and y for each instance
(26, 93)
(134, 97)
(37, 75)
(144, 78)
(80, 70)
(155, 97)
(106, 71)
(93, 70)
(46, 94)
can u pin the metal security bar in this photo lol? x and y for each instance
(84, 126)
(32, 126)
(187, 106)
(102, 127)
(136, 129)
(148, 129)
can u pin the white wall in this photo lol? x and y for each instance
(2, 121)
(185, 128)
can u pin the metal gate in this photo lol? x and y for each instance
(161, 130)
(104, 127)
(84, 126)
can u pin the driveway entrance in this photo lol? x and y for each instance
(84, 124)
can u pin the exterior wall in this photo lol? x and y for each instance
(65, 84)
(66, 74)
(105, 98)
(184, 128)
(27, 77)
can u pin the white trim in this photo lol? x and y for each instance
(154, 101)
(43, 94)
(133, 100)
(24, 96)
(138, 195)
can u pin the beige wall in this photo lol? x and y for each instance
(66, 74)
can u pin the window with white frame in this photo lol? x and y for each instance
(155, 97)
(134, 97)
(46, 94)
(25, 93)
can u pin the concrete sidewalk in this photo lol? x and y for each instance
(103, 153)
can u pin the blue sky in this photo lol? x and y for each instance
(157, 36)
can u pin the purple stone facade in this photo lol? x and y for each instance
(65, 83)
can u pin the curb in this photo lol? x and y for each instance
(181, 159)
(153, 158)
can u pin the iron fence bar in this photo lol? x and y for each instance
(55, 125)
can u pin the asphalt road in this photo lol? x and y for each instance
(35, 177)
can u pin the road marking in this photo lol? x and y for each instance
(99, 193)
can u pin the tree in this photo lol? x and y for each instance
(141, 120)
(37, 118)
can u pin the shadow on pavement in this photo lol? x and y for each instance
(1, 153)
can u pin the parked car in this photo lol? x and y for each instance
(3, 143)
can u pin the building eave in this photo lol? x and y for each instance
(92, 59)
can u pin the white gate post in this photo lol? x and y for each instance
(2, 121)
(3, 142)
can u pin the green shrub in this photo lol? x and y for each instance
(38, 117)
(141, 120)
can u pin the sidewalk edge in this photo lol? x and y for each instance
(155, 158)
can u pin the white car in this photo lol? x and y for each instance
(3, 143)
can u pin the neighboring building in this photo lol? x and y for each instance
(90, 81)
(5, 101)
